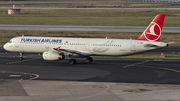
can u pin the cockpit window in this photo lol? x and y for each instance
(10, 41)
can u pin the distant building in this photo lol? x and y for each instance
(152, 0)
(166, 0)
(14, 11)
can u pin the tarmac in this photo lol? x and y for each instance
(106, 79)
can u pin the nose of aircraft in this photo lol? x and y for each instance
(5, 46)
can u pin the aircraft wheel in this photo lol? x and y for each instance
(72, 61)
(21, 58)
(89, 59)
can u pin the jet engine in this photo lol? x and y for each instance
(51, 55)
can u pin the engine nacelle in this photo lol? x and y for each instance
(51, 55)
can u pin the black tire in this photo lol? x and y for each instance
(72, 61)
(21, 58)
(89, 59)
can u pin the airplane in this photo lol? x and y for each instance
(57, 48)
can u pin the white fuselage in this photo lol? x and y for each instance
(86, 46)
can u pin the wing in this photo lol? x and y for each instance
(78, 52)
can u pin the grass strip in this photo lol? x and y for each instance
(154, 56)
(88, 17)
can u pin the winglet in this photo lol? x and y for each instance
(153, 31)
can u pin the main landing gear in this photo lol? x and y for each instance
(73, 61)
(89, 59)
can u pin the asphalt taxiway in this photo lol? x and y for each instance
(85, 28)
(152, 71)
(110, 79)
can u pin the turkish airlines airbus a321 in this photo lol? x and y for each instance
(56, 48)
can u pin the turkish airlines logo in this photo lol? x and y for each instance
(153, 32)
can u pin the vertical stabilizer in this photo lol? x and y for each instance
(153, 31)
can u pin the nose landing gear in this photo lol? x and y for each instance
(21, 56)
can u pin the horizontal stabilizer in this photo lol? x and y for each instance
(170, 43)
(151, 45)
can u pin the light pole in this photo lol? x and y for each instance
(122, 10)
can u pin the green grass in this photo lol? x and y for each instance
(88, 17)
(154, 56)
(147, 56)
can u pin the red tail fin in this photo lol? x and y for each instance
(153, 31)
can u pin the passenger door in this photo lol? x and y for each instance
(133, 45)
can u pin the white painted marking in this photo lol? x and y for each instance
(105, 90)
(158, 59)
(35, 76)
(14, 76)
(136, 64)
